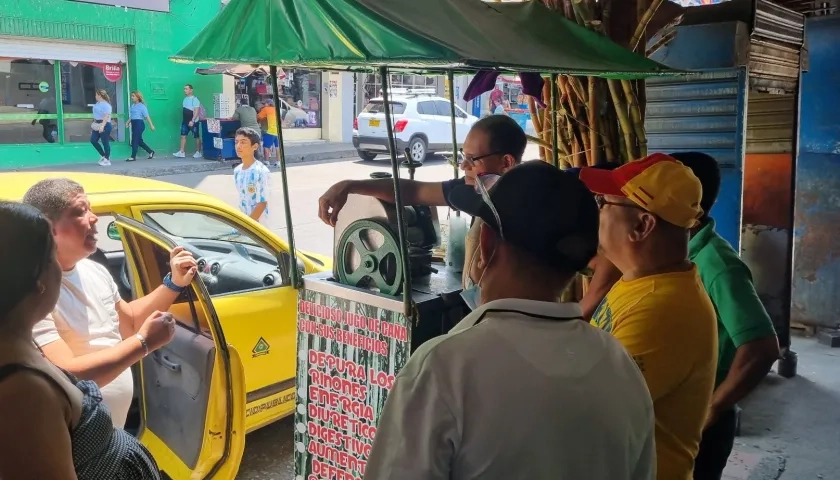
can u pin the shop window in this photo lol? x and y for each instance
(79, 83)
(373, 83)
(299, 93)
(47, 101)
(28, 111)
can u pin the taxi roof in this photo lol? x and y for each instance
(13, 186)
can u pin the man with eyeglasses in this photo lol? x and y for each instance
(659, 309)
(520, 388)
(493, 146)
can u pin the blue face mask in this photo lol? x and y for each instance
(472, 294)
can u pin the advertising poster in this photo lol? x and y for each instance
(349, 354)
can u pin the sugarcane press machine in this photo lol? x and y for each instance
(368, 266)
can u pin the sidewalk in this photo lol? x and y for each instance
(296, 152)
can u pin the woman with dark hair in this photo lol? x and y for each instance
(51, 424)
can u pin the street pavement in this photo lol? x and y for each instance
(789, 426)
(307, 182)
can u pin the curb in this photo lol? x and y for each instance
(137, 170)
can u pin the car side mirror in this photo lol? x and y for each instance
(112, 231)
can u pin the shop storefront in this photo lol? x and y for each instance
(55, 55)
(47, 90)
(300, 93)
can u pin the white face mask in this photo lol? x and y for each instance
(472, 294)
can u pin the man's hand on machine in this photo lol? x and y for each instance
(332, 201)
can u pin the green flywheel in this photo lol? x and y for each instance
(368, 254)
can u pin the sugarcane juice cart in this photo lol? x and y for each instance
(358, 325)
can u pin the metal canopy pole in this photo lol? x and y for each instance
(281, 158)
(554, 155)
(450, 76)
(395, 172)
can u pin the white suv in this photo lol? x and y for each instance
(422, 123)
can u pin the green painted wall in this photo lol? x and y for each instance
(151, 38)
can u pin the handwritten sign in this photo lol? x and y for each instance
(349, 354)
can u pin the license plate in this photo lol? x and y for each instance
(374, 122)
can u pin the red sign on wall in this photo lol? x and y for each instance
(113, 72)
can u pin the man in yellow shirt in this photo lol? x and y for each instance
(270, 139)
(659, 310)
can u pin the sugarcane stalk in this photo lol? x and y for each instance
(635, 117)
(536, 119)
(577, 87)
(643, 23)
(538, 141)
(607, 138)
(663, 41)
(623, 119)
(593, 122)
(582, 12)
(606, 10)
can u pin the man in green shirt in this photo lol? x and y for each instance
(747, 341)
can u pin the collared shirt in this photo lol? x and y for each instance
(667, 324)
(518, 389)
(101, 109)
(138, 111)
(741, 316)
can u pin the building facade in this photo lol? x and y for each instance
(55, 54)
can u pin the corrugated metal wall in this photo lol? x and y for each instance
(766, 235)
(774, 65)
(704, 112)
(775, 44)
(816, 239)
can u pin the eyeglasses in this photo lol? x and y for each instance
(483, 184)
(602, 202)
(463, 157)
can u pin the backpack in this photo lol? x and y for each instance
(202, 113)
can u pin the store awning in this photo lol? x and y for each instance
(235, 70)
(428, 35)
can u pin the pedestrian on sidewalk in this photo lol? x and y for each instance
(101, 127)
(270, 139)
(747, 342)
(191, 115)
(659, 309)
(138, 116)
(247, 116)
(521, 388)
(252, 178)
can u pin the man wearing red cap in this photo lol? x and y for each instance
(659, 310)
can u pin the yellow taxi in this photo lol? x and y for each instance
(231, 367)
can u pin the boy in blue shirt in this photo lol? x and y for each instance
(252, 178)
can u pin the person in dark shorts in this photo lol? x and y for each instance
(51, 424)
(191, 109)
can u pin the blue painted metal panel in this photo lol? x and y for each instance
(820, 120)
(706, 46)
(704, 112)
(816, 242)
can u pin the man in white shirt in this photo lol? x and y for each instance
(93, 333)
(520, 389)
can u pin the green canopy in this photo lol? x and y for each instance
(418, 35)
